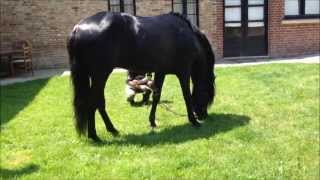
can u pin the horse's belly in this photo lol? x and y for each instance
(148, 64)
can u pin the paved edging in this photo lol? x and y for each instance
(308, 60)
(42, 74)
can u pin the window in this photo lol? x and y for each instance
(189, 8)
(128, 6)
(302, 9)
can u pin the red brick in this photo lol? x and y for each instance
(47, 24)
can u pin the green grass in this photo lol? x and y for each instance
(264, 124)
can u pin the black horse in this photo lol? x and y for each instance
(164, 44)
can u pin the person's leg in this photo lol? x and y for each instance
(146, 96)
(130, 93)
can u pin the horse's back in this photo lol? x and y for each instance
(157, 43)
(167, 41)
(167, 29)
(98, 39)
(91, 28)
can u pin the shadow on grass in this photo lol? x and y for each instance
(15, 173)
(214, 124)
(16, 97)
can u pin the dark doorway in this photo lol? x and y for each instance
(245, 28)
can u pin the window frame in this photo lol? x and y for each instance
(122, 6)
(184, 4)
(302, 14)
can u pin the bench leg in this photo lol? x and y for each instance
(31, 67)
(11, 69)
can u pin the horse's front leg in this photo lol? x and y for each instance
(184, 80)
(158, 82)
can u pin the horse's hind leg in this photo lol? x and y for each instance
(185, 86)
(101, 106)
(98, 102)
(93, 104)
(106, 120)
(158, 82)
(92, 133)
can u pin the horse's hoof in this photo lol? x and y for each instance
(153, 125)
(202, 118)
(196, 124)
(95, 138)
(115, 133)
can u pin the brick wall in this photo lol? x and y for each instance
(291, 38)
(152, 7)
(47, 23)
(212, 16)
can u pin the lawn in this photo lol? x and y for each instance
(264, 124)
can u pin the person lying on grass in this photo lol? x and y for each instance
(138, 82)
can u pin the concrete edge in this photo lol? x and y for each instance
(47, 73)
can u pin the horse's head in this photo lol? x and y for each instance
(203, 78)
(202, 98)
(200, 107)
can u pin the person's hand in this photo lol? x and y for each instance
(132, 83)
(142, 81)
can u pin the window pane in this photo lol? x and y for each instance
(256, 31)
(232, 41)
(191, 8)
(115, 8)
(255, 24)
(193, 19)
(233, 2)
(177, 8)
(233, 25)
(256, 13)
(233, 14)
(233, 32)
(128, 2)
(128, 9)
(114, 2)
(291, 7)
(312, 7)
(177, 1)
(256, 2)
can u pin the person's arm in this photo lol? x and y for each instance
(134, 84)
(142, 81)
(146, 79)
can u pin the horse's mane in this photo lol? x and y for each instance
(185, 19)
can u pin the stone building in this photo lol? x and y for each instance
(236, 28)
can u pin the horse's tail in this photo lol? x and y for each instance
(81, 84)
(210, 61)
